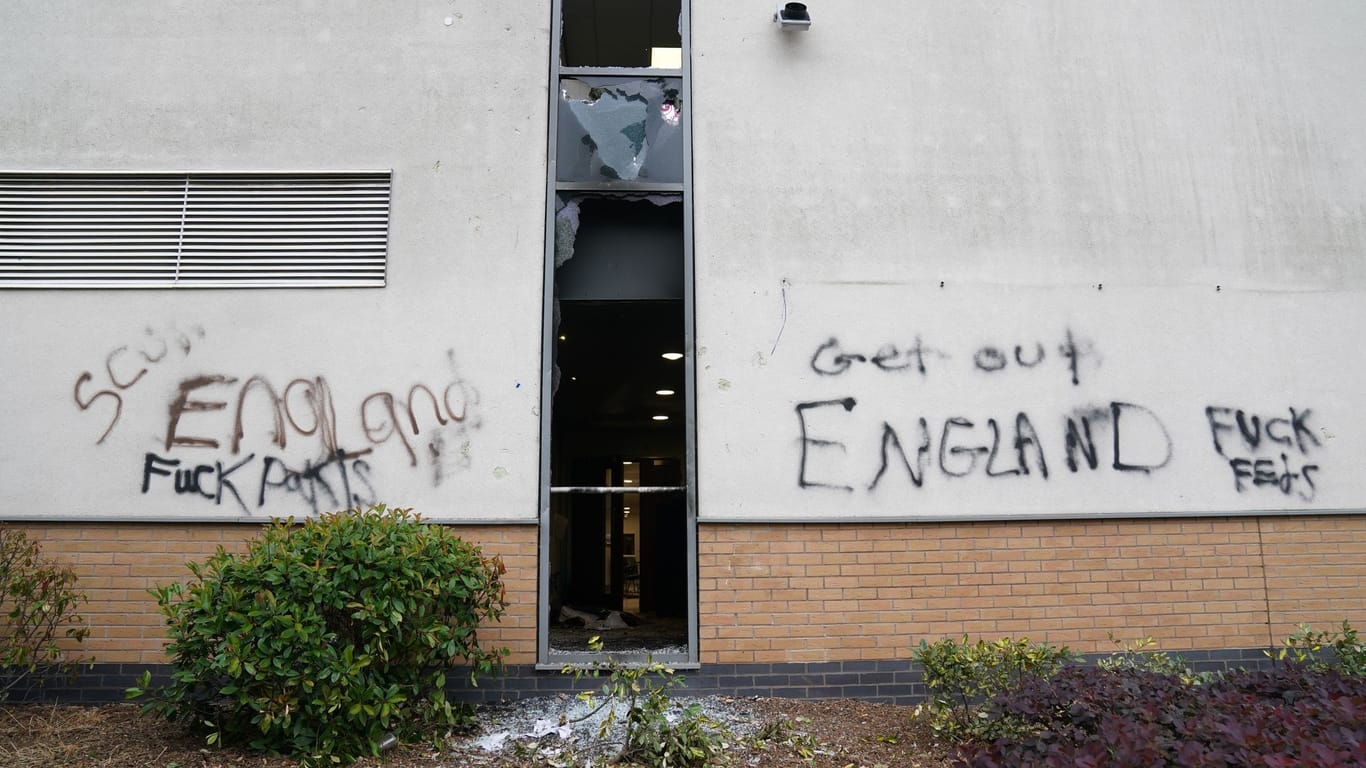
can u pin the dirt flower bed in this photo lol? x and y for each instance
(764, 733)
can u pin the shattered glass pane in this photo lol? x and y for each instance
(614, 129)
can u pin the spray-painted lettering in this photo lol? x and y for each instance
(249, 483)
(963, 446)
(832, 359)
(1266, 451)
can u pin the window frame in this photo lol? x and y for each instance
(690, 660)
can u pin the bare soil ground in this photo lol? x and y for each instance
(766, 733)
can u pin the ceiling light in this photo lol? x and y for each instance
(628, 480)
(660, 418)
(562, 338)
(672, 355)
(666, 58)
(627, 463)
(664, 392)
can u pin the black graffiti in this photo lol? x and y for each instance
(1073, 354)
(1260, 473)
(848, 404)
(891, 441)
(990, 448)
(1252, 429)
(1026, 438)
(991, 359)
(832, 359)
(319, 484)
(1241, 438)
(191, 480)
(1119, 409)
(341, 480)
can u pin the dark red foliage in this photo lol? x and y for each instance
(1128, 718)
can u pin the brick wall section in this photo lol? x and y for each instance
(815, 593)
(1315, 571)
(824, 593)
(117, 563)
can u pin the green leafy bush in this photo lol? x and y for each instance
(963, 675)
(1144, 655)
(1340, 649)
(324, 638)
(38, 607)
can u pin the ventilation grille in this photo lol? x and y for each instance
(207, 230)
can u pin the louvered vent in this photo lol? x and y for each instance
(207, 230)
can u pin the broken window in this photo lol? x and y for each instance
(618, 436)
(613, 129)
(618, 518)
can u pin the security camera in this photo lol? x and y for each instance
(793, 16)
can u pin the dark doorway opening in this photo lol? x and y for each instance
(618, 437)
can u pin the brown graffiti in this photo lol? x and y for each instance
(306, 407)
(278, 435)
(318, 396)
(84, 404)
(182, 403)
(123, 370)
(390, 409)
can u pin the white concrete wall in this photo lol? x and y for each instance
(450, 96)
(1179, 185)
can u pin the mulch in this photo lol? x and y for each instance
(797, 734)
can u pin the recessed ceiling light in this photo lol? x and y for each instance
(627, 463)
(672, 355)
(661, 417)
(666, 58)
(664, 392)
(628, 480)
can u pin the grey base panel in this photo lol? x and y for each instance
(896, 681)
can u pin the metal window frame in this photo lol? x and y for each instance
(690, 660)
(332, 259)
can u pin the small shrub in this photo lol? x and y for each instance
(1133, 718)
(323, 638)
(963, 675)
(38, 607)
(654, 737)
(1144, 655)
(1340, 649)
